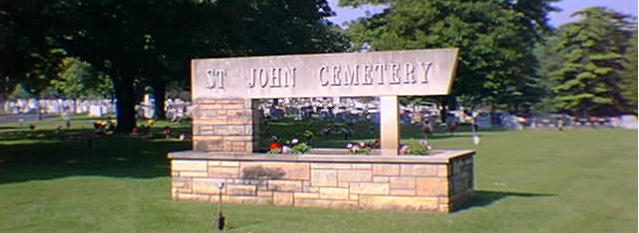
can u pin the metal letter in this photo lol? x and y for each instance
(220, 73)
(395, 79)
(323, 81)
(210, 79)
(263, 78)
(250, 83)
(410, 74)
(351, 75)
(290, 75)
(380, 68)
(368, 79)
(336, 80)
(426, 68)
(276, 79)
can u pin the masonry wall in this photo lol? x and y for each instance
(223, 125)
(435, 187)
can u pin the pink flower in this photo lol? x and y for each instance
(286, 150)
(349, 146)
(362, 144)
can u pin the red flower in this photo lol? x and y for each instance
(274, 145)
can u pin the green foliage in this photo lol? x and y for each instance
(300, 148)
(416, 148)
(275, 151)
(589, 77)
(629, 77)
(28, 48)
(496, 41)
(77, 79)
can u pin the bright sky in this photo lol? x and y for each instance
(557, 18)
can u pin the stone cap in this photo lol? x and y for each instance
(438, 156)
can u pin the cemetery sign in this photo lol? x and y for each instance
(398, 73)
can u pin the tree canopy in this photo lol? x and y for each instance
(147, 42)
(496, 41)
(594, 53)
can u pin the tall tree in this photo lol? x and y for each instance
(149, 42)
(496, 41)
(28, 51)
(78, 79)
(589, 79)
(629, 77)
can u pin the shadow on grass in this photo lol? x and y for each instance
(484, 198)
(51, 157)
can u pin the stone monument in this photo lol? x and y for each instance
(225, 127)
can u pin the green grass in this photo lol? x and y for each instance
(530, 181)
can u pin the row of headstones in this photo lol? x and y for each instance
(175, 108)
(59, 106)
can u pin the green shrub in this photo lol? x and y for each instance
(300, 148)
(416, 148)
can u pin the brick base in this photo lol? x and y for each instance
(438, 183)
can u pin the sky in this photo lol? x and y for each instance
(556, 18)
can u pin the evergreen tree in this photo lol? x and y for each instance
(592, 50)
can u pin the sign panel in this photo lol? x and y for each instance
(414, 72)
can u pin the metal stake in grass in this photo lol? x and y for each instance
(219, 220)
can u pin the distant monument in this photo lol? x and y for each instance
(225, 126)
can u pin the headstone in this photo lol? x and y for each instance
(628, 122)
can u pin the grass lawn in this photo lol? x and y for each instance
(530, 181)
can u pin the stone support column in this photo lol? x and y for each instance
(389, 125)
(223, 125)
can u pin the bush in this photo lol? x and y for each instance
(414, 147)
(300, 148)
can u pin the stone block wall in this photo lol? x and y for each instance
(223, 125)
(433, 187)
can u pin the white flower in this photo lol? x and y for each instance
(403, 149)
(286, 150)
(349, 146)
(294, 141)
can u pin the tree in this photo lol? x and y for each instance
(496, 41)
(78, 79)
(592, 49)
(147, 42)
(629, 77)
(28, 52)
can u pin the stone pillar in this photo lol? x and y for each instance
(389, 125)
(223, 125)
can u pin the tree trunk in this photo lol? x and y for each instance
(125, 105)
(444, 112)
(159, 95)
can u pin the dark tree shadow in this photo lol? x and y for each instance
(51, 156)
(483, 198)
